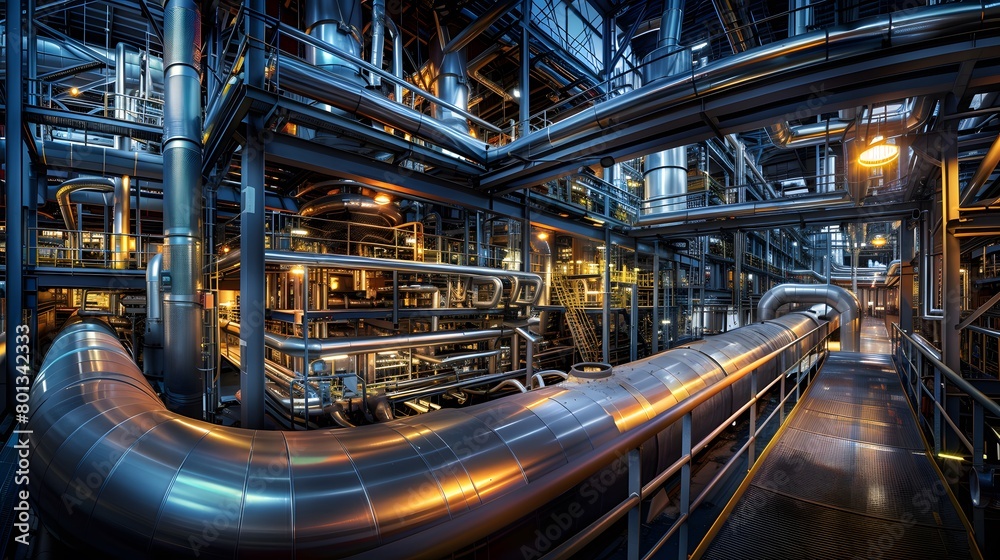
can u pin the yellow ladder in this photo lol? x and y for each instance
(584, 337)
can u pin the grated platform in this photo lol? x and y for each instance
(848, 478)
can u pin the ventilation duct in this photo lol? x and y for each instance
(843, 301)
(98, 184)
(312, 494)
(665, 173)
(448, 68)
(182, 208)
(336, 23)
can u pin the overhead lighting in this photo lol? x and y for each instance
(596, 220)
(879, 240)
(74, 91)
(543, 236)
(225, 248)
(301, 232)
(516, 93)
(699, 46)
(879, 153)
(298, 270)
(382, 198)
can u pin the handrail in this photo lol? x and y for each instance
(467, 528)
(968, 388)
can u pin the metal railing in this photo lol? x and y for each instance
(929, 383)
(89, 249)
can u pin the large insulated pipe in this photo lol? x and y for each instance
(900, 29)
(194, 488)
(182, 208)
(152, 355)
(665, 173)
(121, 95)
(813, 202)
(843, 301)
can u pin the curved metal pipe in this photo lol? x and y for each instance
(319, 348)
(476, 282)
(350, 202)
(152, 357)
(94, 417)
(99, 184)
(917, 113)
(232, 261)
(843, 301)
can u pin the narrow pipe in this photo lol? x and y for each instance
(122, 222)
(70, 186)
(121, 95)
(828, 200)
(378, 41)
(152, 357)
(232, 261)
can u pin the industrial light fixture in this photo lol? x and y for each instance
(879, 152)
(74, 91)
(699, 46)
(594, 219)
(543, 236)
(298, 270)
(301, 232)
(516, 93)
(382, 198)
(879, 240)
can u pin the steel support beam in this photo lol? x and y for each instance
(252, 302)
(15, 177)
(906, 278)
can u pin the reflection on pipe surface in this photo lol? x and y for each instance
(112, 461)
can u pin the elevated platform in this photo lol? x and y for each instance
(847, 477)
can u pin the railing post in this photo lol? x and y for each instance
(753, 420)
(781, 399)
(634, 514)
(978, 433)
(937, 411)
(685, 499)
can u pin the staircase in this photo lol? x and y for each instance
(584, 337)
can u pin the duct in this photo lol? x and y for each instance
(98, 159)
(182, 208)
(665, 173)
(378, 42)
(843, 301)
(900, 29)
(93, 415)
(57, 59)
(531, 282)
(397, 61)
(152, 354)
(784, 205)
(336, 23)
(449, 82)
(99, 184)
(319, 348)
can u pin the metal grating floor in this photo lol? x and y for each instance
(848, 478)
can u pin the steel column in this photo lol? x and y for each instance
(252, 304)
(15, 192)
(524, 109)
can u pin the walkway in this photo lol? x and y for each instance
(848, 476)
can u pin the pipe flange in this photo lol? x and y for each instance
(591, 370)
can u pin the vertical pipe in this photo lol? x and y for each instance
(905, 279)
(15, 192)
(654, 335)
(951, 297)
(121, 94)
(252, 303)
(606, 300)
(122, 227)
(152, 357)
(182, 206)
(524, 108)
(665, 173)
(378, 41)
(801, 17)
